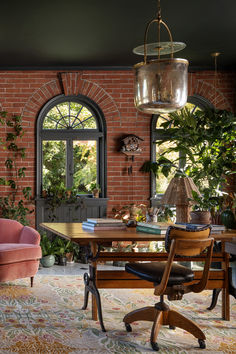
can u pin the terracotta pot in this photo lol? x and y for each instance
(200, 217)
(96, 193)
(69, 257)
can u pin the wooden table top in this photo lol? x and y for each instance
(74, 232)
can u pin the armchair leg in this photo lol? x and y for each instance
(31, 281)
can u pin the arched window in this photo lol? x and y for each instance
(71, 134)
(160, 183)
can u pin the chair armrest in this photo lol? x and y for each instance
(29, 235)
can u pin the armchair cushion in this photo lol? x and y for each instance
(153, 272)
(18, 252)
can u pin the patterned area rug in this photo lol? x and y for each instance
(47, 319)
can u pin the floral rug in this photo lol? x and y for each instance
(47, 319)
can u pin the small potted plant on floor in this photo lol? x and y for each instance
(72, 253)
(48, 251)
(63, 249)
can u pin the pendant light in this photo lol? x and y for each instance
(161, 85)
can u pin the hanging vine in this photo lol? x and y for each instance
(14, 204)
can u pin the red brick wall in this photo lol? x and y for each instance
(26, 92)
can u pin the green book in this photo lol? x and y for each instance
(150, 230)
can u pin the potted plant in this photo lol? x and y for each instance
(205, 141)
(130, 213)
(227, 216)
(202, 206)
(95, 188)
(62, 247)
(72, 252)
(48, 251)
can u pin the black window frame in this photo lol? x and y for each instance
(98, 134)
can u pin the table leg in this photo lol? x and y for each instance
(90, 286)
(225, 290)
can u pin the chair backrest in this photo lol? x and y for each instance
(178, 233)
(181, 242)
(10, 231)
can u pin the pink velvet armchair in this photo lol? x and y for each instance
(20, 251)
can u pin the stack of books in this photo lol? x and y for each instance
(103, 224)
(215, 229)
(158, 228)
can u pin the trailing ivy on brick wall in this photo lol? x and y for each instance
(14, 205)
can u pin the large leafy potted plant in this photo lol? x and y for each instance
(206, 142)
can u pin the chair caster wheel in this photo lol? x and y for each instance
(172, 327)
(128, 327)
(202, 344)
(155, 346)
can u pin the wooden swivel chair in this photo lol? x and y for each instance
(173, 280)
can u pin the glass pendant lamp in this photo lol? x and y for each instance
(161, 85)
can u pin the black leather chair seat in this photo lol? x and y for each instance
(153, 272)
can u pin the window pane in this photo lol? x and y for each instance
(54, 164)
(86, 120)
(85, 165)
(162, 182)
(69, 115)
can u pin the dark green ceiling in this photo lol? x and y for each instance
(102, 33)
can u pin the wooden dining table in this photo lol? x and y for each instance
(99, 279)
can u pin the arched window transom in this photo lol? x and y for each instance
(70, 115)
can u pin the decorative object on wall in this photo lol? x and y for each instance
(131, 147)
(161, 85)
(178, 193)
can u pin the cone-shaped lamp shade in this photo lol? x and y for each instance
(177, 193)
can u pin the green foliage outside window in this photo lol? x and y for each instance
(54, 165)
(85, 166)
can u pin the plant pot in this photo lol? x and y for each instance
(48, 261)
(44, 193)
(228, 219)
(62, 260)
(69, 257)
(96, 193)
(200, 217)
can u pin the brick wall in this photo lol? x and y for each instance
(26, 92)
